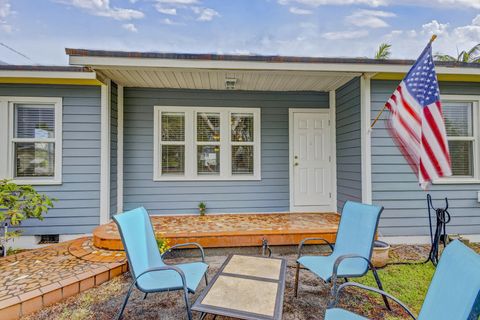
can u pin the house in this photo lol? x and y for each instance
(116, 130)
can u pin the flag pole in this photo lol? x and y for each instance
(434, 36)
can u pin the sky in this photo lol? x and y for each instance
(38, 31)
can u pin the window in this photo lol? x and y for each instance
(461, 114)
(34, 146)
(193, 143)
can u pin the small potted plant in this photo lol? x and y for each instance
(18, 203)
(163, 244)
(202, 208)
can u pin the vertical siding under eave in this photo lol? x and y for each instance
(270, 194)
(78, 205)
(396, 188)
(113, 148)
(348, 119)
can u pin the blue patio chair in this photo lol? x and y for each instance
(149, 272)
(454, 293)
(352, 251)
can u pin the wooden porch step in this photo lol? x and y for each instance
(231, 230)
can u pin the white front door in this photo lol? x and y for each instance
(311, 161)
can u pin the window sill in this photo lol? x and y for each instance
(456, 181)
(37, 182)
(180, 178)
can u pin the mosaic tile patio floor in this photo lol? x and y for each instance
(231, 230)
(35, 278)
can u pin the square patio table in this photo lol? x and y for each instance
(245, 287)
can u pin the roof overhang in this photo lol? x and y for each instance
(271, 73)
(48, 75)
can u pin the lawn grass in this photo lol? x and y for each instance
(409, 283)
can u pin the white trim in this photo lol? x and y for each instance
(131, 62)
(333, 119)
(366, 138)
(120, 108)
(47, 74)
(191, 144)
(4, 135)
(475, 179)
(333, 152)
(7, 104)
(105, 153)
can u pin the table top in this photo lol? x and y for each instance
(246, 287)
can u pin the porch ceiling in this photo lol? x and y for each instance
(215, 79)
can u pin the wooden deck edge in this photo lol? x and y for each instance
(35, 300)
(225, 240)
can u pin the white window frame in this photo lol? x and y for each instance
(475, 178)
(191, 143)
(7, 154)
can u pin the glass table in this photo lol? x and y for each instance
(245, 287)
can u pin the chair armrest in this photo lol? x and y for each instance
(199, 247)
(300, 246)
(164, 268)
(337, 264)
(361, 286)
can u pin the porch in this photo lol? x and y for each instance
(263, 139)
(231, 230)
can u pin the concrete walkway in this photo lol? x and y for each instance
(33, 279)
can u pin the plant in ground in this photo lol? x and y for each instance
(18, 203)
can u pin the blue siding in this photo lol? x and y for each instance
(396, 188)
(78, 206)
(349, 174)
(113, 149)
(268, 195)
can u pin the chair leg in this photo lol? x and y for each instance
(145, 296)
(297, 275)
(187, 303)
(206, 279)
(124, 304)
(380, 286)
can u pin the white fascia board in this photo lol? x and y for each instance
(124, 62)
(47, 74)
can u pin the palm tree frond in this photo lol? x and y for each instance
(445, 57)
(383, 51)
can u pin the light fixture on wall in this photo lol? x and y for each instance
(230, 83)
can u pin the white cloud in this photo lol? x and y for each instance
(102, 8)
(317, 3)
(369, 18)
(476, 20)
(130, 27)
(345, 35)
(170, 11)
(377, 3)
(299, 11)
(5, 12)
(451, 40)
(205, 14)
(435, 27)
(178, 2)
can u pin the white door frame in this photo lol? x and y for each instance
(331, 112)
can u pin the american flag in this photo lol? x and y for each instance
(416, 122)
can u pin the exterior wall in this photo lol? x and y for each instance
(349, 158)
(396, 188)
(113, 148)
(78, 205)
(271, 194)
